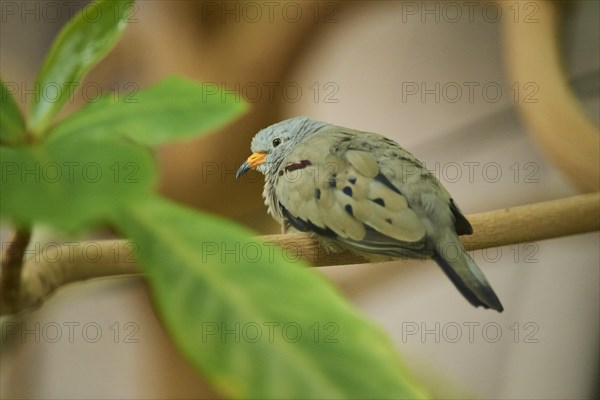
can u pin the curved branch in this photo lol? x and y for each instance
(45, 272)
(58, 265)
(12, 264)
(556, 121)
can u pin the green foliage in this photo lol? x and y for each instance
(79, 46)
(12, 126)
(173, 109)
(256, 325)
(73, 183)
(209, 278)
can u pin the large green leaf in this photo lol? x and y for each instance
(255, 325)
(12, 127)
(79, 46)
(73, 183)
(174, 109)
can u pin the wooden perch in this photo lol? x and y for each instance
(529, 223)
(44, 273)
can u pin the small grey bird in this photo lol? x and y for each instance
(362, 191)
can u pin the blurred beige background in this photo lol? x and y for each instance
(353, 63)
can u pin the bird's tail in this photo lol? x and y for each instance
(466, 275)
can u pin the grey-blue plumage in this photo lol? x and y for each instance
(362, 191)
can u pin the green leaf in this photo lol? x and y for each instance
(254, 324)
(74, 183)
(175, 108)
(80, 45)
(12, 127)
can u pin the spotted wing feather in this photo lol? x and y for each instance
(344, 196)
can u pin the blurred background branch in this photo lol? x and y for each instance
(557, 122)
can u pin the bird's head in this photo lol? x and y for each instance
(272, 144)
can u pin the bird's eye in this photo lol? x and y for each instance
(276, 142)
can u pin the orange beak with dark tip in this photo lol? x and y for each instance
(252, 162)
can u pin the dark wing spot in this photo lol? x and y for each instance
(352, 180)
(332, 181)
(379, 201)
(382, 178)
(461, 224)
(388, 220)
(318, 193)
(296, 222)
(349, 210)
(280, 173)
(347, 191)
(306, 226)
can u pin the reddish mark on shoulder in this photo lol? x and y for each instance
(299, 165)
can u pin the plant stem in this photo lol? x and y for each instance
(12, 263)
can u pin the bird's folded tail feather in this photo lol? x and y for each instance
(467, 277)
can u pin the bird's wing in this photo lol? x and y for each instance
(344, 196)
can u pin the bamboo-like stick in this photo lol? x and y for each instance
(45, 272)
